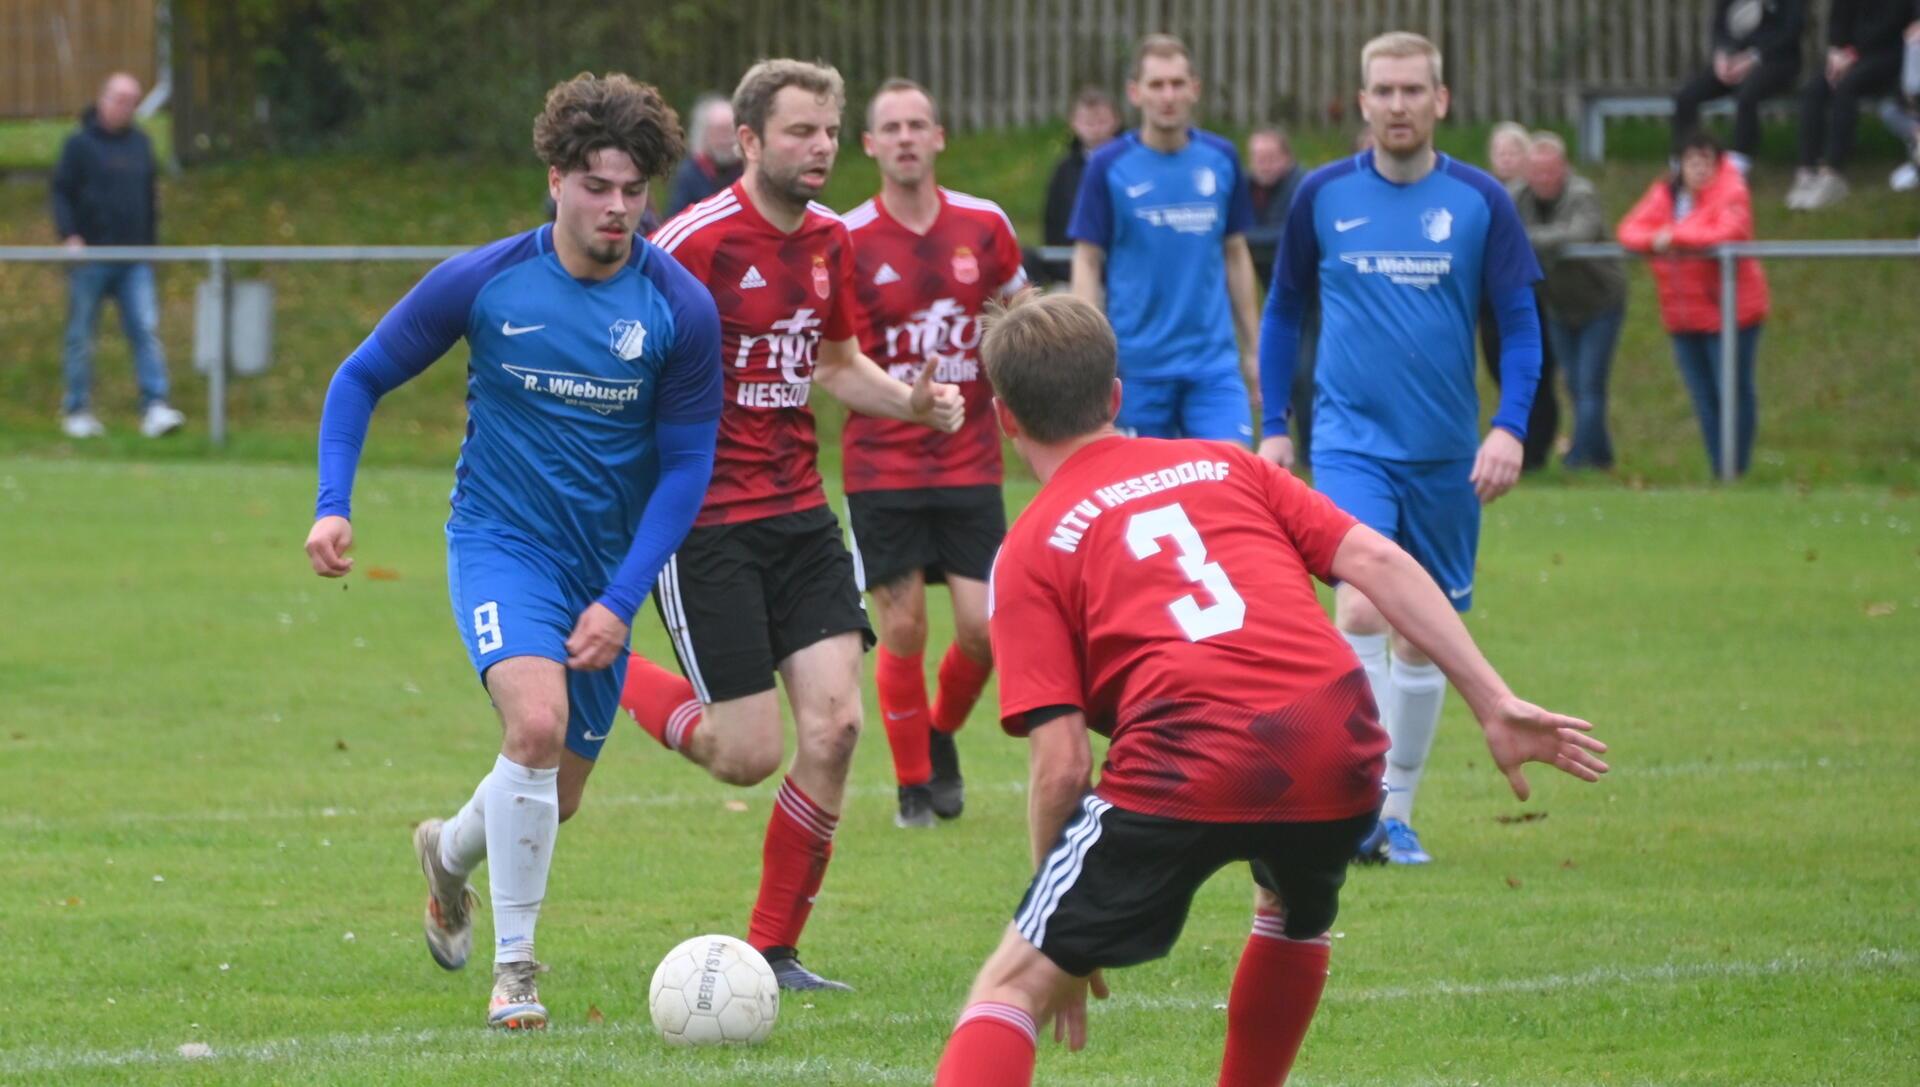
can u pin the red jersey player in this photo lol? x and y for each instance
(763, 582)
(1158, 592)
(925, 506)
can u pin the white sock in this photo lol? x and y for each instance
(1413, 716)
(1372, 651)
(522, 813)
(463, 838)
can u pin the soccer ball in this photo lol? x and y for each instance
(714, 990)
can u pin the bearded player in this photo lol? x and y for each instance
(593, 396)
(764, 584)
(924, 506)
(1161, 593)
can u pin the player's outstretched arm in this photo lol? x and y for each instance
(858, 382)
(1517, 732)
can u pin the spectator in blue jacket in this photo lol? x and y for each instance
(103, 194)
(713, 155)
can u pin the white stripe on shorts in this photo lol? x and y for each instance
(1061, 870)
(675, 611)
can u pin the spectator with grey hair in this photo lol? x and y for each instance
(713, 159)
(1584, 302)
(1756, 56)
(1507, 147)
(104, 194)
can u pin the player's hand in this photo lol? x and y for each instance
(1520, 732)
(327, 546)
(1277, 448)
(936, 404)
(598, 639)
(1497, 466)
(1070, 1018)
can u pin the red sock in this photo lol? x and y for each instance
(961, 678)
(903, 705)
(1275, 992)
(792, 863)
(660, 702)
(993, 1047)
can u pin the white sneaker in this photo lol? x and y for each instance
(1827, 190)
(161, 420)
(1803, 180)
(1905, 179)
(82, 425)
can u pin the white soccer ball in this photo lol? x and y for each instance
(714, 990)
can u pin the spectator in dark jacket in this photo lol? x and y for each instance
(1756, 56)
(1864, 39)
(1095, 120)
(1902, 114)
(713, 158)
(103, 194)
(1272, 178)
(1584, 301)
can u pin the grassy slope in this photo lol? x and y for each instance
(195, 706)
(1838, 385)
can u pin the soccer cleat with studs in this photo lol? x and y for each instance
(790, 975)
(516, 998)
(450, 901)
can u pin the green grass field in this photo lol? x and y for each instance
(210, 760)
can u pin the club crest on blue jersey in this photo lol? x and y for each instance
(1436, 224)
(1204, 181)
(626, 339)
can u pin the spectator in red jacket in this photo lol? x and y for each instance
(1703, 205)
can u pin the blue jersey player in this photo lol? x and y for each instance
(593, 399)
(1401, 243)
(1160, 243)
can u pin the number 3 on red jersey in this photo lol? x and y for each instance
(1228, 613)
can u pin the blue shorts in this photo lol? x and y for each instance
(512, 599)
(1427, 507)
(1211, 406)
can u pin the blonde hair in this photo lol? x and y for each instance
(1548, 140)
(1401, 43)
(1507, 130)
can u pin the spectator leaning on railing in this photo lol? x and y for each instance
(103, 194)
(1862, 60)
(1705, 203)
(1584, 301)
(1756, 56)
(1507, 148)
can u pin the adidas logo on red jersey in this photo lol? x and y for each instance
(885, 275)
(752, 279)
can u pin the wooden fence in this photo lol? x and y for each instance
(1013, 62)
(54, 54)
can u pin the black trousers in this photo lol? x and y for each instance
(1543, 423)
(1769, 79)
(1829, 113)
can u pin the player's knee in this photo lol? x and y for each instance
(829, 739)
(1355, 614)
(1406, 652)
(744, 765)
(536, 737)
(904, 633)
(974, 642)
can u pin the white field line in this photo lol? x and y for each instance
(443, 1040)
(410, 810)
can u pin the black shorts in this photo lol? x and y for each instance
(738, 599)
(1116, 889)
(937, 530)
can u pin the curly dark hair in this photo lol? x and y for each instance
(588, 113)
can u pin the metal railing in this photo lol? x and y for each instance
(219, 258)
